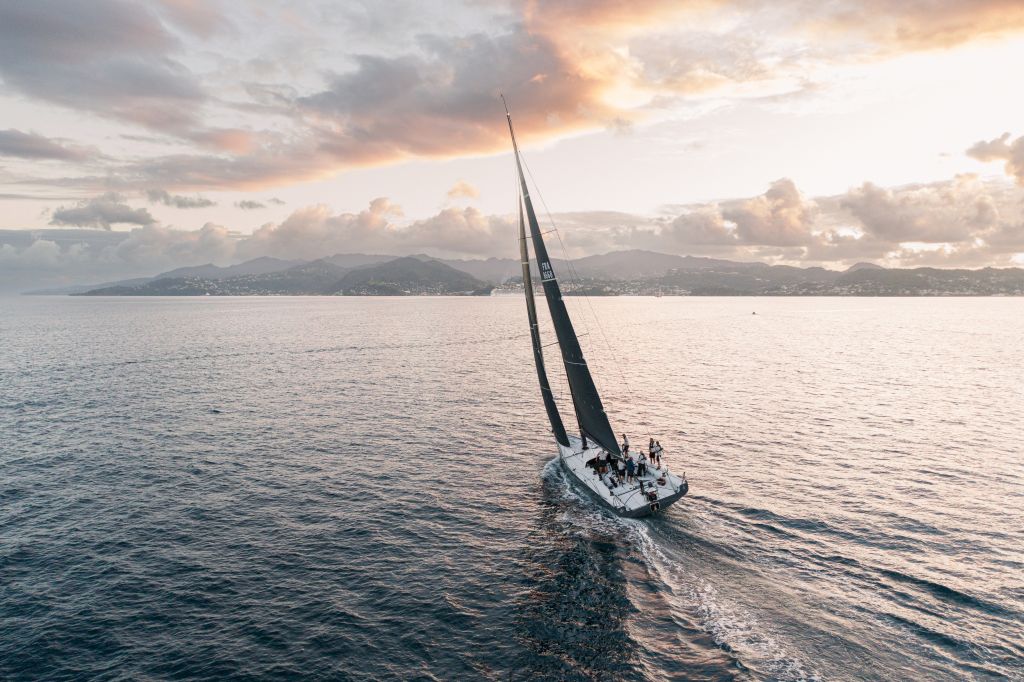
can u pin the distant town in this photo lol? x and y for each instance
(649, 274)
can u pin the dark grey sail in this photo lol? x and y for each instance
(538, 354)
(589, 410)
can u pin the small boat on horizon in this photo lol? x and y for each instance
(591, 459)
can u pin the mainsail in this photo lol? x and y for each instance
(538, 354)
(589, 410)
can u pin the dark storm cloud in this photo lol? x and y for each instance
(34, 146)
(102, 212)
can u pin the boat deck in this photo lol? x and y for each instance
(627, 499)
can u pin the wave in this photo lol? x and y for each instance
(748, 644)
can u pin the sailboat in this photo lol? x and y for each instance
(590, 459)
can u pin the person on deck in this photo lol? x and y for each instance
(641, 464)
(625, 445)
(630, 470)
(657, 452)
(620, 465)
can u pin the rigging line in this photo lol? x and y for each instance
(575, 277)
(562, 377)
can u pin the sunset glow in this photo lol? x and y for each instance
(196, 124)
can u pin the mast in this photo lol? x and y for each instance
(538, 354)
(589, 410)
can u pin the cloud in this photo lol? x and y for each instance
(978, 223)
(961, 221)
(249, 205)
(109, 57)
(394, 90)
(948, 212)
(313, 232)
(163, 247)
(705, 226)
(437, 101)
(443, 99)
(722, 47)
(103, 212)
(562, 65)
(779, 217)
(919, 24)
(1002, 149)
(17, 196)
(161, 196)
(463, 190)
(34, 146)
(198, 17)
(61, 257)
(276, 202)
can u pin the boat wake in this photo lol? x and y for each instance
(683, 590)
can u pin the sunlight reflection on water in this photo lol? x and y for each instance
(224, 488)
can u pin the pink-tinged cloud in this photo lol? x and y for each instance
(561, 64)
(1002, 149)
(463, 190)
(971, 223)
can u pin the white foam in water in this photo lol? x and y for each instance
(749, 639)
(582, 512)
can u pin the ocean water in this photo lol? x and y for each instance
(363, 489)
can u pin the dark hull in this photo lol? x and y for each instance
(664, 502)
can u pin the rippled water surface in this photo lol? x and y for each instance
(364, 489)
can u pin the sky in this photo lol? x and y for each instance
(140, 136)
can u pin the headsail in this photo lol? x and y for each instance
(538, 354)
(589, 410)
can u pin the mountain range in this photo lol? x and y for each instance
(344, 274)
(616, 273)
